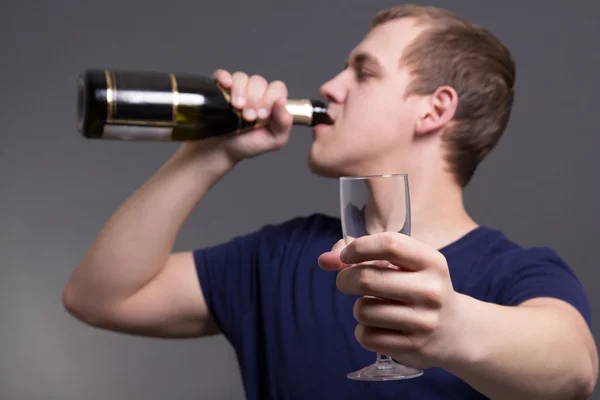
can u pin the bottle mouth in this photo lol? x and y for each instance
(320, 115)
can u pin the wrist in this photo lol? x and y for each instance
(464, 339)
(192, 170)
(205, 156)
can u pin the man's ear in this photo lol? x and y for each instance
(438, 110)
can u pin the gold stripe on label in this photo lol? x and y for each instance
(175, 97)
(227, 96)
(110, 97)
(225, 92)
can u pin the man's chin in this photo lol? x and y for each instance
(324, 169)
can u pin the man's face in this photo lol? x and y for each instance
(373, 122)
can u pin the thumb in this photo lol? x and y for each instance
(330, 260)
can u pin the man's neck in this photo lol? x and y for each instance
(439, 217)
(386, 207)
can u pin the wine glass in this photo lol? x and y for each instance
(373, 204)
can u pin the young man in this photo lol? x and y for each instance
(425, 93)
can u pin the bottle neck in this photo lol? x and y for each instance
(301, 110)
(307, 112)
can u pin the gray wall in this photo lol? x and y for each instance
(57, 189)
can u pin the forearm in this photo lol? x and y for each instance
(523, 352)
(135, 243)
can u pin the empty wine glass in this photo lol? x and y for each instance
(369, 205)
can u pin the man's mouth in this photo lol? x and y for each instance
(322, 117)
(325, 121)
(329, 118)
(320, 129)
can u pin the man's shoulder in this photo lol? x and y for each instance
(494, 244)
(300, 227)
(515, 273)
(274, 235)
(509, 250)
(311, 225)
(490, 266)
(490, 254)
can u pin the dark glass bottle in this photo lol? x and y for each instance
(162, 106)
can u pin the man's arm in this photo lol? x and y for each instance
(541, 349)
(129, 280)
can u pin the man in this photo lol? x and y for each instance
(425, 93)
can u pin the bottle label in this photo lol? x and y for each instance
(151, 98)
(126, 132)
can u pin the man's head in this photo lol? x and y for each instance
(424, 90)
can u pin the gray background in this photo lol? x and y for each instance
(57, 189)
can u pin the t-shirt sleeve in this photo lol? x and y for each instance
(541, 272)
(227, 274)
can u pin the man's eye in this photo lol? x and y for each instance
(361, 75)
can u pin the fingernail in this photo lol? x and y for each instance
(249, 114)
(239, 101)
(262, 113)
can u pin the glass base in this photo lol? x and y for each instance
(385, 370)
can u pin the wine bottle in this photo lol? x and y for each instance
(162, 106)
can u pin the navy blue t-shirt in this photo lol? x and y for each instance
(293, 331)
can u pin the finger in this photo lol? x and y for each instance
(281, 120)
(223, 77)
(386, 314)
(257, 85)
(276, 90)
(330, 260)
(400, 250)
(238, 89)
(389, 342)
(339, 246)
(411, 288)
